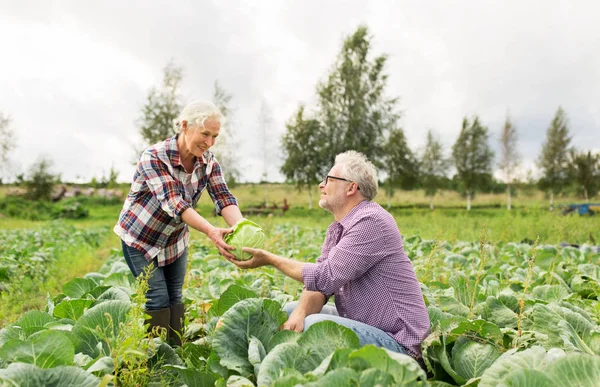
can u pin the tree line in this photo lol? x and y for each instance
(354, 112)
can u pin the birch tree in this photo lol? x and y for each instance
(305, 161)
(265, 127)
(433, 167)
(162, 107)
(472, 157)
(509, 157)
(354, 109)
(225, 149)
(7, 144)
(554, 159)
(585, 173)
(399, 163)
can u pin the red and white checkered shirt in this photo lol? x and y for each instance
(161, 191)
(364, 265)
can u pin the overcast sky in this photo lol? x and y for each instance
(74, 75)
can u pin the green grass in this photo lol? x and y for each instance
(447, 221)
(453, 225)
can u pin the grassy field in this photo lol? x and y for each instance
(528, 219)
(254, 194)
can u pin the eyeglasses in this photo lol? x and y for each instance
(338, 178)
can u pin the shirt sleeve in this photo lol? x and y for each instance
(164, 187)
(358, 250)
(218, 190)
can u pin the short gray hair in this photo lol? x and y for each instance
(197, 112)
(356, 167)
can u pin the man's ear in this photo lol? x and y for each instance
(353, 187)
(184, 126)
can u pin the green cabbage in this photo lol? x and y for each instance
(245, 234)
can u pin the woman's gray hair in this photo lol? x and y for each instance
(356, 167)
(197, 112)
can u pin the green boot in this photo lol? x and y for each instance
(176, 326)
(159, 320)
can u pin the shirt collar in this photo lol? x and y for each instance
(172, 151)
(347, 220)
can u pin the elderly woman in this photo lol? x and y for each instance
(153, 225)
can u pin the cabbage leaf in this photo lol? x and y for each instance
(245, 233)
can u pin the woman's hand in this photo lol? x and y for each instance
(216, 235)
(259, 258)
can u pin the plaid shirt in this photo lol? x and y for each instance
(364, 264)
(150, 220)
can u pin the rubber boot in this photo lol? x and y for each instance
(159, 320)
(175, 328)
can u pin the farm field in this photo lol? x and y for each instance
(502, 308)
(469, 125)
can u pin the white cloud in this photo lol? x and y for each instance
(78, 72)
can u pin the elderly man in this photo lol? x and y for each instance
(362, 263)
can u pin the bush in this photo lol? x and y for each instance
(17, 207)
(41, 181)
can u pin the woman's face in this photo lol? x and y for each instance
(199, 139)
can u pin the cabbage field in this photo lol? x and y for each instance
(507, 314)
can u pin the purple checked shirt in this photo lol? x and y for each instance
(364, 265)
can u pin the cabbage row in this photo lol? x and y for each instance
(508, 314)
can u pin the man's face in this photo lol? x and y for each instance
(333, 194)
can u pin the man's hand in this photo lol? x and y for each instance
(259, 258)
(294, 323)
(216, 235)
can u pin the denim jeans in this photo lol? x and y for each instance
(367, 334)
(165, 282)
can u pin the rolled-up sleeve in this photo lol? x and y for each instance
(218, 190)
(355, 253)
(164, 187)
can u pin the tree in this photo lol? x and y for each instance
(554, 159)
(226, 147)
(434, 167)
(265, 126)
(41, 181)
(472, 157)
(305, 162)
(113, 175)
(585, 173)
(399, 163)
(354, 112)
(106, 181)
(7, 143)
(509, 156)
(162, 107)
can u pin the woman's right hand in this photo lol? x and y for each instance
(217, 235)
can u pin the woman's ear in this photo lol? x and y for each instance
(184, 126)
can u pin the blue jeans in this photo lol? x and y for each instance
(367, 334)
(165, 282)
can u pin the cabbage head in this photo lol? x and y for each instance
(245, 234)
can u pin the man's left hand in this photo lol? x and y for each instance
(259, 258)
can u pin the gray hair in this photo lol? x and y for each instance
(197, 112)
(356, 167)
